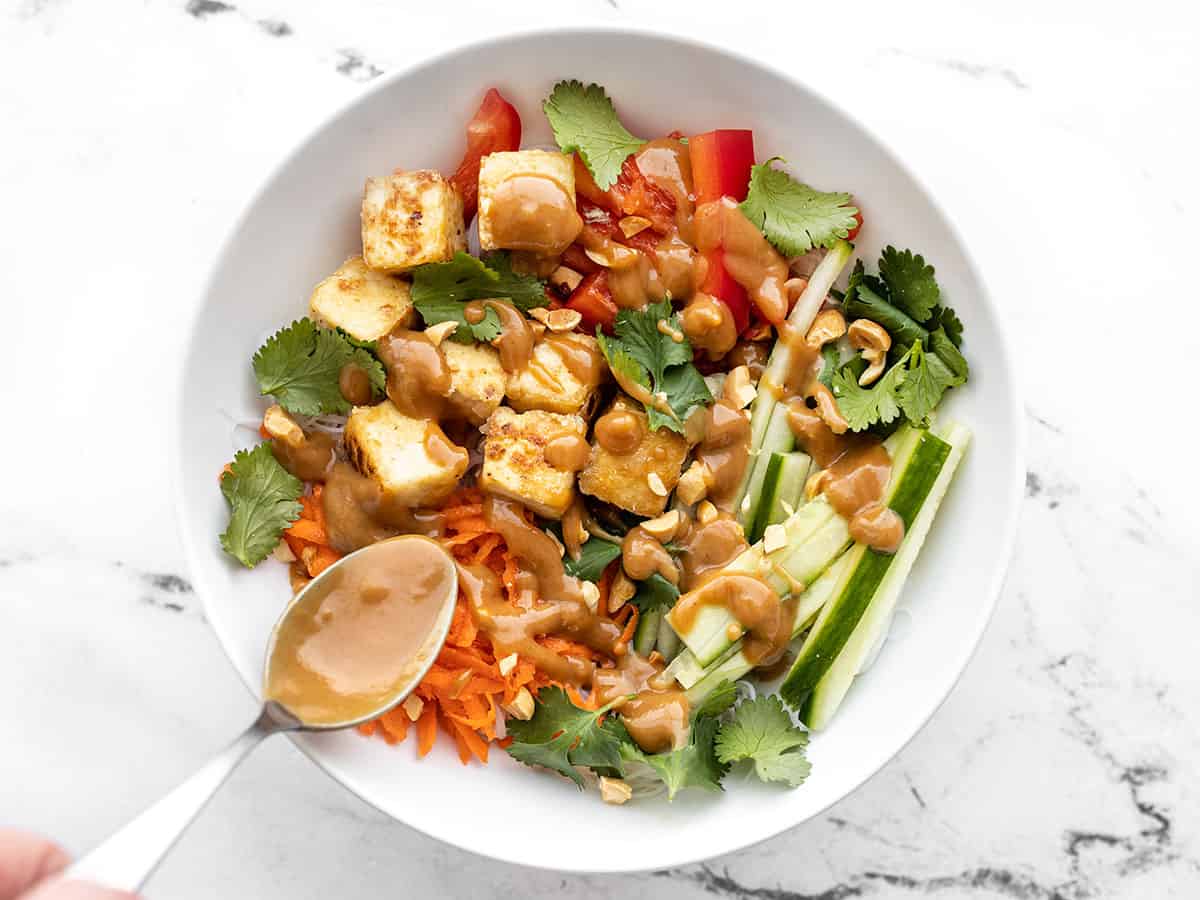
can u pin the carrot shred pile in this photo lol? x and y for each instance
(464, 688)
(307, 537)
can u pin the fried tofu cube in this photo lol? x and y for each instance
(513, 216)
(514, 459)
(409, 219)
(641, 480)
(476, 379)
(548, 382)
(411, 459)
(362, 302)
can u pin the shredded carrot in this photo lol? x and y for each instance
(426, 729)
(464, 689)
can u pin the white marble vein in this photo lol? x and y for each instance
(1063, 138)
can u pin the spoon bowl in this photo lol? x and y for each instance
(358, 638)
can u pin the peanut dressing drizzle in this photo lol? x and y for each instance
(568, 451)
(418, 377)
(657, 717)
(748, 257)
(535, 214)
(724, 450)
(765, 619)
(619, 431)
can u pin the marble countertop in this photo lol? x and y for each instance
(1062, 138)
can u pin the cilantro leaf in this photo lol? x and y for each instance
(793, 216)
(763, 732)
(263, 500)
(561, 736)
(945, 318)
(443, 309)
(695, 764)
(654, 593)
(911, 282)
(594, 557)
(943, 346)
(927, 378)
(863, 407)
(299, 365)
(686, 389)
(641, 354)
(440, 289)
(638, 331)
(830, 357)
(584, 121)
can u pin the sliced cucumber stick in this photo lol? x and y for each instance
(912, 481)
(829, 692)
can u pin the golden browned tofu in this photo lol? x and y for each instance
(514, 459)
(476, 380)
(409, 219)
(641, 480)
(548, 383)
(362, 302)
(411, 459)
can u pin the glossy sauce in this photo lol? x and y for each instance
(755, 606)
(708, 548)
(355, 385)
(748, 256)
(418, 377)
(357, 512)
(859, 469)
(751, 354)
(667, 163)
(360, 634)
(535, 214)
(581, 355)
(560, 607)
(567, 452)
(709, 325)
(515, 342)
(310, 461)
(657, 717)
(643, 555)
(619, 431)
(725, 450)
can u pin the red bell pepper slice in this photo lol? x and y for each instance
(495, 126)
(721, 162)
(593, 300)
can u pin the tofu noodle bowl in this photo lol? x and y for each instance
(682, 447)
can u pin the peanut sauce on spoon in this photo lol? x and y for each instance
(363, 632)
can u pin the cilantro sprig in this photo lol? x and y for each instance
(763, 733)
(644, 355)
(440, 289)
(561, 736)
(793, 216)
(925, 358)
(299, 366)
(263, 500)
(594, 557)
(584, 121)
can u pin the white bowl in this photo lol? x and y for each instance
(304, 222)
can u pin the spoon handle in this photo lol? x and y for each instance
(129, 856)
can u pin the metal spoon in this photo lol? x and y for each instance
(127, 859)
